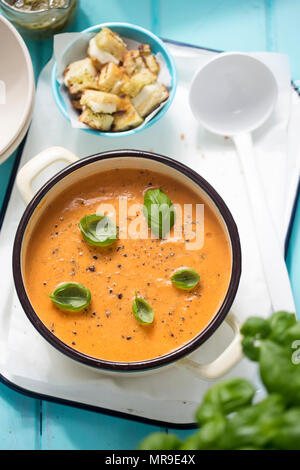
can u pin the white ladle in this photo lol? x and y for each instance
(231, 95)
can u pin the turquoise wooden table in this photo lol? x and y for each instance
(246, 25)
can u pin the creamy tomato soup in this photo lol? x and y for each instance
(107, 329)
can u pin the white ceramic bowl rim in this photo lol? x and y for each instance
(31, 88)
(9, 151)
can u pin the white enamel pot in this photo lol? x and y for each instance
(81, 168)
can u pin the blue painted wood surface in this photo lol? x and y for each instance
(247, 25)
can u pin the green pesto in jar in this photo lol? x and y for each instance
(36, 5)
(40, 19)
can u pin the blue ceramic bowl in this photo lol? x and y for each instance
(142, 35)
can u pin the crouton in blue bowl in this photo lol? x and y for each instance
(123, 83)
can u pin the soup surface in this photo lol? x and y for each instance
(107, 328)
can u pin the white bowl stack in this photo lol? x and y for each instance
(16, 89)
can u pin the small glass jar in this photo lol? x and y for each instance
(39, 19)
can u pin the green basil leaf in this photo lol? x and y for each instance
(278, 373)
(209, 437)
(287, 436)
(142, 310)
(159, 212)
(185, 278)
(71, 296)
(98, 230)
(251, 348)
(256, 327)
(280, 322)
(225, 398)
(254, 425)
(160, 441)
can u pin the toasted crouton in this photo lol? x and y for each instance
(144, 49)
(149, 58)
(111, 78)
(152, 64)
(133, 62)
(99, 101)
(76, 105)
(150, 98)
(106, 47)
(126, 117)
(136, 60)
(99, 121)
(133, 85)
(111, 42)
(80, 75)
(99, 57)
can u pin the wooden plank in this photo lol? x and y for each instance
(19, 423)
(218, 24)
(129, 11)
(71, 428)
(293, 259)
(5, 172)
(284, 31)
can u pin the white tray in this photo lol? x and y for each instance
(29, 364)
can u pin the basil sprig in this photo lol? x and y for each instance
(159, 212)
(98, 230)
(185, 278)
(142, 310)
(71, 296)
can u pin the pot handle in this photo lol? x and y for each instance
(223, 363)
(37, 164)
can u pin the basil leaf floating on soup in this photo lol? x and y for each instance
(71, 296)
(98, 230)
(185, 278)
(159, 212)
(142, 310)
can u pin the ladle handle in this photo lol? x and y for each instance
(272, 257)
